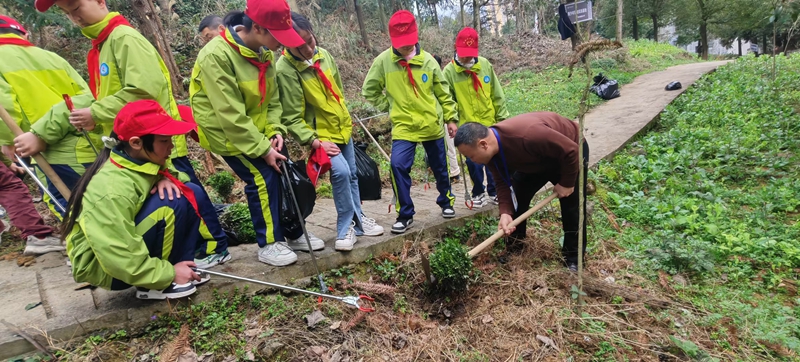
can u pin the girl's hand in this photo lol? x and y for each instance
(82, 119)
(277, 142)
(28, 144)
(331, 148)
(166, 186)
(184, 272)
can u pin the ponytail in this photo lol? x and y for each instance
(75, 203)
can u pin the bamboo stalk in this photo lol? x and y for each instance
(40, 161)
(499, 234)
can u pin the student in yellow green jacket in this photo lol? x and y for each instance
(32, 80)
(406, 81)
(131, 221)
(314, 111)
(236, 104)
(123, 68)
(480, 98)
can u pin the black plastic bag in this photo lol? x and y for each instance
(304, 191)
(605, 88)
(673, 86)
(369, 177)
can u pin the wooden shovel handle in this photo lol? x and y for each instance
(499, 234)
(40, 161)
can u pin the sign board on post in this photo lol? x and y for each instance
(579, 12)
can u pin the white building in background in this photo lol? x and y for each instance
(715, 47)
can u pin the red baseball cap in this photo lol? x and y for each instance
(9, 23)
(467, 43)
(403, 29)
(318, 164)
(43, 5)
(141, 118)
(188, 117)
(275, 16)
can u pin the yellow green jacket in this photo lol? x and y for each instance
(105, 242)
(226, 102)
(32, 81)
(486, 106)
(129, 67)
(308, 104)
(413, 116)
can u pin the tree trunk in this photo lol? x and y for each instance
(360, 17)
(463, 13)
(619, 20)
(739, 42)
(382, 17)
(704, 40)
(151, 27)
(764, 43)
(435, 12)
(476, 15)
(635, 28)
(654, 16)
(519, 15)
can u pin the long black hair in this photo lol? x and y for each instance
(75, 203)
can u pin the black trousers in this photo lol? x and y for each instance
(526, 186)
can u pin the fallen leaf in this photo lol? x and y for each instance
(314, 318)
(336, 325)
(32, 305)
(250, 356)
(251, 332)
(487, 319)
(447, 313)
(399, 341)
(547, 342)
(188, 357)
(229, 359)
(317, 350)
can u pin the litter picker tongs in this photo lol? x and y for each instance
(351, 300)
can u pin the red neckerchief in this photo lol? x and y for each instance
(185, 190)
(324, 79)
(262, 68)
(15, 41)
(475, 81)
(404, 63)
(93, 59)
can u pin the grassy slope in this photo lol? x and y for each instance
(712, 194)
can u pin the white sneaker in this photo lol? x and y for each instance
(213, 260)
(479, 201)
(370, 227)
(47, 244)
(349, 240)
(493, 200)
(300, 243)
(277, 254)
(174, 291)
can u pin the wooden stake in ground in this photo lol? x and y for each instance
(40, 161)
(619, 20)
(499, 234)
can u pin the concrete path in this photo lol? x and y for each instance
(66, 313)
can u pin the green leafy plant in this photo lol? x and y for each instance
(222, 183)
(451, 265)
(237, 219)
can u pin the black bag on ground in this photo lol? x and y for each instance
(673, 86)
(605, 88)
(369, 177)
(304, 191)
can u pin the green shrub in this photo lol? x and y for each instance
(451, 265)
(222, 183)
(236, 218)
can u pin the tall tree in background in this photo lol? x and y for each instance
(360, 17)
(657, 9)
(151, 26)
(620, 6)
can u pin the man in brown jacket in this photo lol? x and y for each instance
(523, 153)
